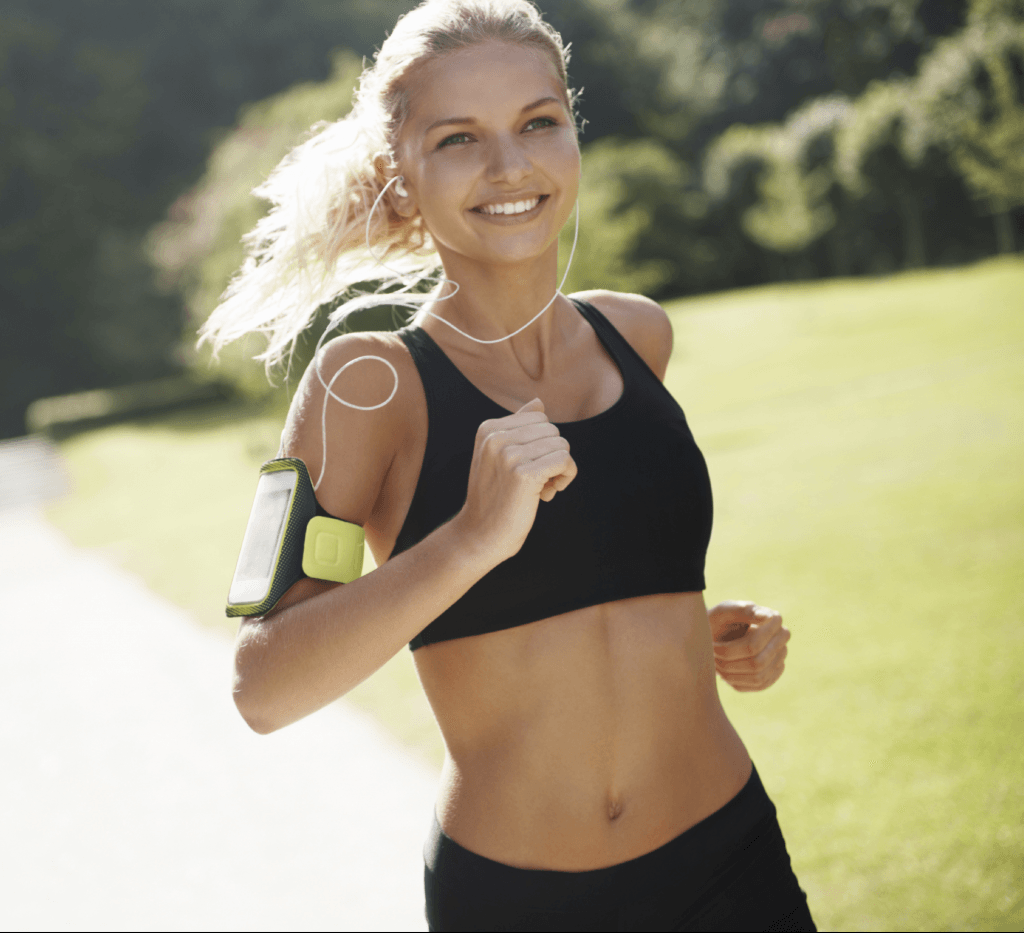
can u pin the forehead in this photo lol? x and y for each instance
(489, 79)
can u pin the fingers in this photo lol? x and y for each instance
(756, 659)
(749, 644)
(531, 446)
(530, 413)
(751, 680)
(556, 468)
(756, 670)
(521, 435)
(557, 483)
(762, 625)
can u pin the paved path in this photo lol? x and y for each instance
(133, 795)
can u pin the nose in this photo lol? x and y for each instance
(508, 161)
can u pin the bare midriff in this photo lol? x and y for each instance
(583, 740)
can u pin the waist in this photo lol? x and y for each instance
(590, 739)
(688, 860)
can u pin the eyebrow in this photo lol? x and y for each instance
(455, 121)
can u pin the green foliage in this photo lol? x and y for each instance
(200, 247)
(988, 148)
(943, 106)
(659, 57)
(792, 211)
(899, 139)
(106, 112)
(858, 436)
(73, 282)
(623, 183)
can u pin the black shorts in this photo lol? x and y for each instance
(730, 872)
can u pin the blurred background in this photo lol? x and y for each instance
(728, 143)
(827, 196)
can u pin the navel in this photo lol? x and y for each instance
(615, 809)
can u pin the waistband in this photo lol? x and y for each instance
(690, 860)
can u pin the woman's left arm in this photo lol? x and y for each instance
(750, 644)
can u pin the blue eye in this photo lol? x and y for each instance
(543, 122)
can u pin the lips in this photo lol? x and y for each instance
(511, 208)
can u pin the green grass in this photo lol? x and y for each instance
(866, 441)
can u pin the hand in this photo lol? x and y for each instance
(517, 461)
(750, 644)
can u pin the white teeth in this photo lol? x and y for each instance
(518, 207)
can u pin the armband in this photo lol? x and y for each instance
(290, 536)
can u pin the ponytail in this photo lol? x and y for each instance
(319, 240)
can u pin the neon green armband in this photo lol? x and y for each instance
(288, 537)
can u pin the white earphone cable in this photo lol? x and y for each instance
(317, 360)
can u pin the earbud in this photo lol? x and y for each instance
(400, 187)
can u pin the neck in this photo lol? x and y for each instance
(494, 301)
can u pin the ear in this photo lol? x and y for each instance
(397, 195)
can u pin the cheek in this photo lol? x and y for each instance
(442, 190)
(566, 165)
(575, 169)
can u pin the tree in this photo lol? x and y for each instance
(965, 105)
(988, 142)
(78, 307)
(793, 210)
(199, 247)
(106, 113)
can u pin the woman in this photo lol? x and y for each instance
(536, 505)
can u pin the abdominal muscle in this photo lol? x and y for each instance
(583, 740)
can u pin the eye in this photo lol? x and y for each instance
(540, 123)
(454, 140)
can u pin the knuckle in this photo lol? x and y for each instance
(494, 442)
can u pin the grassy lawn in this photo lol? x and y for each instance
(866, 441)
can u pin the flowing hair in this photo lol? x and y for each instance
(325, 233)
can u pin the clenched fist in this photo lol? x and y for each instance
(517, 461)
(750, 644)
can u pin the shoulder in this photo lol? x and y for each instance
(360, 368)
(643, 323)
(362, 439)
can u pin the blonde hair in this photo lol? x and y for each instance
(319, 239)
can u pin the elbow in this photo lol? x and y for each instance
(254, 713)
(249, 689)
(253, 706)
(255, 718)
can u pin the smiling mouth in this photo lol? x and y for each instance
(511, 207)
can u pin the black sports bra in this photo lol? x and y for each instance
(635, 521)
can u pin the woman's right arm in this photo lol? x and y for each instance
(323, 639)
